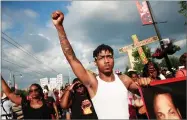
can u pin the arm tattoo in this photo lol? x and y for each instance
(67, 49)
(62, 37)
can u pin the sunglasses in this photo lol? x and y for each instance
(34, 90)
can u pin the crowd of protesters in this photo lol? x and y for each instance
(104, 96)
(73, 101)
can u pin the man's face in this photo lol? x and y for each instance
(105, 61)
(164, 107)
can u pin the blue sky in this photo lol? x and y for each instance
(87, 24)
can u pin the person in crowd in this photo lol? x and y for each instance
(66, 113)
(58, 97)
(51, 104)
(169, 74)
(6, 107)
(163, 72)
(50, 93)
(61, 92)
(132, 108)
(17, 110)
(133, 75)
(107, 87)
(35, 108)
(165, 107)
(136, 106)
(182, 72)
(77, 98)
(151, 70)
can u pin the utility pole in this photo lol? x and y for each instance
(14, 81)
(10, 78)
(168, 63)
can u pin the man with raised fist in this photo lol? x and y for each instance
(108, 91)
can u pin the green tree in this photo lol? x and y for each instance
(183, 9)
(146, 50)
(183, 6)
(138, 65)
(174, 62)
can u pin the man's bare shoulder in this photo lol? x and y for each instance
(125, 79)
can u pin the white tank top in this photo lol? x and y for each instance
(111, 100)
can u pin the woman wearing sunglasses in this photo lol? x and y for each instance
(33, 108)
(77, 98)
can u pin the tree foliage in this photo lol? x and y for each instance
(183, 6)
(138, 65)
(146, 50)
(174, 62)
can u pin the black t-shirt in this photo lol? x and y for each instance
(82, 107)
(43, 112)
(49, 101)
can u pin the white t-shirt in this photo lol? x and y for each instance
(6, 108)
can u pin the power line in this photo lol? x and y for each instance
(17, 56)
(21, 66)
(6, 68)
(26, 52)
(12, 55)
(26, 66)
(21, 48)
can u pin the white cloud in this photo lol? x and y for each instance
(6, 25)
(181, 43)
(30, 13)
(105, 10)
(41, 35)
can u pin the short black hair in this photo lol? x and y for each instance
(101, 48)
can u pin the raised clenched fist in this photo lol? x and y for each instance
(57, 18)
